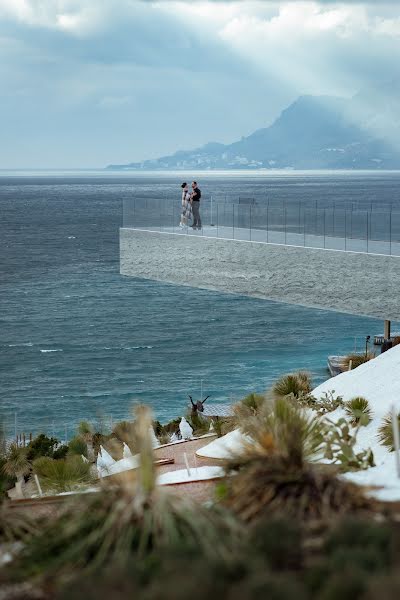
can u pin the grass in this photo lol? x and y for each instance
(77, 446)
(62, 475)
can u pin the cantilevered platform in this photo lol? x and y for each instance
(347, 281)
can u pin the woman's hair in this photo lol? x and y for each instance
(183, 185)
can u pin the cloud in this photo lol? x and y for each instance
(97, 82)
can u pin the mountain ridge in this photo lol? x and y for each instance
(314, 132)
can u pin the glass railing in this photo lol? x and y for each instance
(336, 228)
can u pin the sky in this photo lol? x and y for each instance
(86, 83)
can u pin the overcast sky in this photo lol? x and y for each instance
(85, 83)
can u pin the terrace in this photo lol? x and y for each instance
(341, 257)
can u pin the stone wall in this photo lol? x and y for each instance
(363, 284)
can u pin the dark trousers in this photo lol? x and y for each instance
(196, 213)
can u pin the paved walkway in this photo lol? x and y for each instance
(284, 238)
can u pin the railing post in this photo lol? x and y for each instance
(390, 231)
(233, 221)
(284, 223)
(250, 220)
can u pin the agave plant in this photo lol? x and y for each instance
(294, 384)
(62, 475)
(358, 410)
(385, 432)
(124, 523)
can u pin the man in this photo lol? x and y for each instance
(195, 201)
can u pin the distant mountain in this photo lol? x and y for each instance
(312, 133)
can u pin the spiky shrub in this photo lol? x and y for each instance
(271, 476)
(293, 384)
(385, 431)
(62, 475)
(253, 401)
(285, 429)
(358, 410)
(128, 524)
(78, 446)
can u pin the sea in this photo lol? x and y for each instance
(80, 342)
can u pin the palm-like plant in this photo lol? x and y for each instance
(358, 410)
(385, 431)
(122, 523)
(293, 384)
(17, 464)
(62, 475)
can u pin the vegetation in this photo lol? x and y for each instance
(339, 444)
(357, 359)
(62, 475)
(78, 446)
(41, 445)
(253, 401)
(283, 428)
(385, 431)
(126, 525)
(16, 464)
(294, 384)
(282, 526)
(358, 410)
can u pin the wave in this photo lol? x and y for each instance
(137, 347)
(26, 344)
(55, 350)
(127, 347)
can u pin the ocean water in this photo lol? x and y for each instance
(78, 341)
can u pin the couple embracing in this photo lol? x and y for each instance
(190, 205)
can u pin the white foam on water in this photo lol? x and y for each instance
(44, 350)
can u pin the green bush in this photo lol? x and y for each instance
(41, 445)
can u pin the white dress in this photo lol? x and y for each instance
(186, 206)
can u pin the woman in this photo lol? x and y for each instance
(186, 205)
